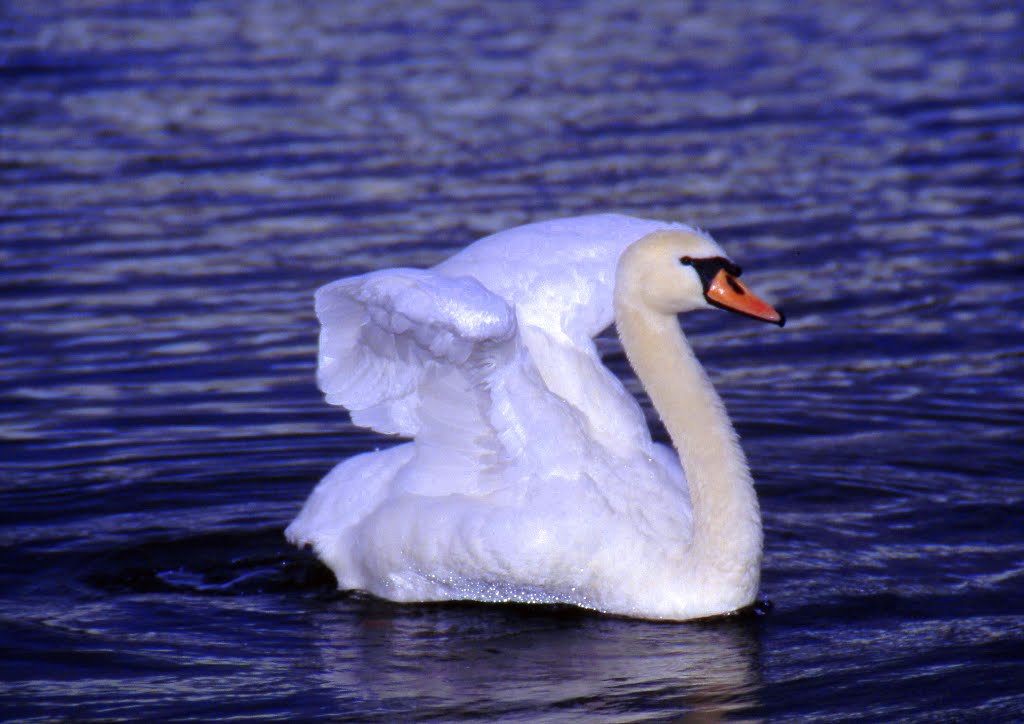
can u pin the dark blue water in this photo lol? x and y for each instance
(177, 178)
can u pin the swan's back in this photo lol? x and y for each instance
(559, 274)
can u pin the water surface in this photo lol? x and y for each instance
(177, 178)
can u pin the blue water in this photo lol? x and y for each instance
(177, 178)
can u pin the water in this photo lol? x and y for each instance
(177, 178)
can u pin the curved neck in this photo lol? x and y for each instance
(726, 518)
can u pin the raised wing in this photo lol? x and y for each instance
(387, 337)
(441, 359)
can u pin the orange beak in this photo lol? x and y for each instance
(727, 292)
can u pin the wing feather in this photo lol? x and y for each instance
(400, 345)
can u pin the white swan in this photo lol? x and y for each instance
(532, 475)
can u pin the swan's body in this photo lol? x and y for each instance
(532, 475)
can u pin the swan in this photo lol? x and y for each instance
(531, 475)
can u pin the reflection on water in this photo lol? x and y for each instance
(507, 662)
(178, 178)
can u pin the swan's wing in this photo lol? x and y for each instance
(558, 274)
(392, 341)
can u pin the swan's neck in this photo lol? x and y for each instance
(725, 549)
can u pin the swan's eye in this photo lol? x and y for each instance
(707, 269)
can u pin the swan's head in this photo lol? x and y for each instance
(679, 270)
